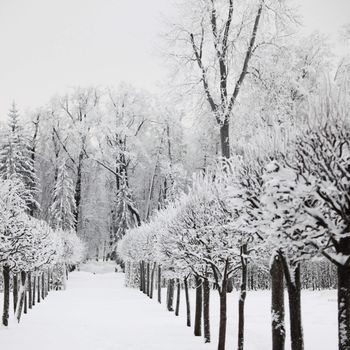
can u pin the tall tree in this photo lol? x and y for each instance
(16, 159)
(63, 206)
(222, 38)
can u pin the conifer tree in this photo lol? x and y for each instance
(126, 215)
(63, 206)
(16, 160)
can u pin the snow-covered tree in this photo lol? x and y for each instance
(16, 159)
(322, 176)
(14, 233)
(306, 195)
(284, 219)
(196, 236)
(125, 215)
(218, 43)
(63, 204)
(35, 259)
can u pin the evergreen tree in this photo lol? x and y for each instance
(125, 215)
(16, 160)
(63, 207)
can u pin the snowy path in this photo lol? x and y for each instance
(97, 312)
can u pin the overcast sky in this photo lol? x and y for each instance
(48, 46)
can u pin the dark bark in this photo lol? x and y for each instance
(343, 273)
(48, 282)
(277, 304)
(296, 330)
(223, 319)
(38, 289)
(170, 295)
(225, 139)
(34, 290)
(144, 285)
(15, 291)
(198, 312)
(251, 280)
(294, 297)
(159, 284)
(152, 281)
(223, 309)
(178, 293)
(230, 285)
(188, 308)
(30, 291)
(243, 294)
(141, 271)
(206, 310)
(43, 293)
(6, 291)
(344, 308)
(25, 307)
(148, 280)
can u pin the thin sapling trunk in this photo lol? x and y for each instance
(188, 307)
(178, 293)
(198, 312)
(206, 310)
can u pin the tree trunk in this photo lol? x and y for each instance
(344, 308)
(148, 280)
(223, 310)
(178, 293)
(230, 285)
(6, 293)
(144, 286)
(21, 296)
(225, 139)
(223, 320)
(243, 294)
(30, 291)
(38, 289)
(77, 193)
(34, 290)
(343, 273)
(48, 282)
(277, 304)
(141, 273)
(15, 291)
(152, 281)
(43, 293)
(32, 205)
(198, 312)
(170, 293)
(25, 307)
(159, 284)
(294, 295)
(206, 309)
(188, 308)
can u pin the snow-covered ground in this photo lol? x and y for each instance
(97, 312)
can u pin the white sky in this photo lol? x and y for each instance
(48, 46)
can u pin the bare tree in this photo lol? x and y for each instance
(220, 41)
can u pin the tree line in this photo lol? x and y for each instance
(34, 253)
(292, 206)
